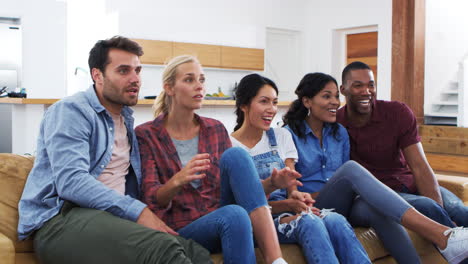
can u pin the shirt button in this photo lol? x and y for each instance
(102, 166)
(323, 166)
(110, 129)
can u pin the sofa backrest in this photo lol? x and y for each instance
(14, 170)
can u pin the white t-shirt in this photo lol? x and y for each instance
(286, 148)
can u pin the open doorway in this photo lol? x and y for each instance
(363, 47)
(350, 44)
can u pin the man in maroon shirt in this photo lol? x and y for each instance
(384, 139)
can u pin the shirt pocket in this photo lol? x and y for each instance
(334, 160)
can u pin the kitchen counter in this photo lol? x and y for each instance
(22, 118)
(7, 100)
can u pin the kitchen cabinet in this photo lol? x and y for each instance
(216, 56)
(242, 58)
(155, 51)
(208, 55)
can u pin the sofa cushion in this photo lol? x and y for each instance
(456, 184)
(14, 170)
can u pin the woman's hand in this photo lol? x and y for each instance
(285, 178)
(193, 170)
(296, 206)
(303, 197)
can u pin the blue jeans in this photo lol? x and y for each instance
(240, 183)
(230, 226)
(325, 240)
(454, 206)
(227, 229)
(454, 209)
(355, 193)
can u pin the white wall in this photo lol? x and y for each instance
(232, 23)
(240, 23)
(327, 17)
(43, 27)
(446, 44)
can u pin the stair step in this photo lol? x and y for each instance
(440, 121)
(445, 103)
(440, 114)
(450, 91)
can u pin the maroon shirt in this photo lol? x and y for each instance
(378, 145)
(160, 161)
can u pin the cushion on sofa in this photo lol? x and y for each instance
(14, 170)
(456, 184)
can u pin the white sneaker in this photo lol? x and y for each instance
(457, 245)
(279, 261)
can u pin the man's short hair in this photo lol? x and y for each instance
(99, 54)
(355, 65)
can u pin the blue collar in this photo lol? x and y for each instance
(326, 129)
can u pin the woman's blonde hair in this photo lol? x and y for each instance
(163, 102)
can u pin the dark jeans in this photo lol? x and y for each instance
(81, 235)
(454, 209)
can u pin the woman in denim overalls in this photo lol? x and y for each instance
(325, 237)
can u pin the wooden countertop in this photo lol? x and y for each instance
(7, 100)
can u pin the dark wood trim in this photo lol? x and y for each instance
(408, 44)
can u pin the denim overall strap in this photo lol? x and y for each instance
(272, 138)
(266, 162)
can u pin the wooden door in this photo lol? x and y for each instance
(363, 47)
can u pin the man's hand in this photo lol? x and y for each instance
(150, 220)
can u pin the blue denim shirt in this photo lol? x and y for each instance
(316, 163)
(75, 144)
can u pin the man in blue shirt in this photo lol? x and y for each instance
(81, 198)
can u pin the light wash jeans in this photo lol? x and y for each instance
(355, 193)
(325, 240)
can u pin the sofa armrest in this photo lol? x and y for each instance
(7, 250)
(456, 184)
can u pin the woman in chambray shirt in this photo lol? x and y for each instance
(336, 182)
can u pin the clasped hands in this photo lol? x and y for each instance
(297, 201)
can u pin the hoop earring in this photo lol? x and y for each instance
(308, 111)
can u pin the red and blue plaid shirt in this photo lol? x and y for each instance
(160, 161)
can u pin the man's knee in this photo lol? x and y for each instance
(426, 205)
(431, 209)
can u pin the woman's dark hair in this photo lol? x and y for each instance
(246, 90)
(310, 85)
